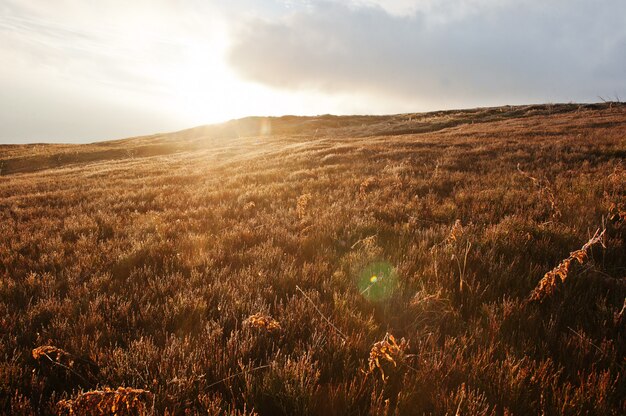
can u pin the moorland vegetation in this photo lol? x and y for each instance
(461, 262)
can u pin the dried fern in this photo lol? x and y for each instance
(123, 401)
(388, 350)
(69, 367)
(549, 283)
(261, 321)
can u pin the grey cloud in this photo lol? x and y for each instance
(565, 51)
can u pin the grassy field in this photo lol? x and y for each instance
(323, 265)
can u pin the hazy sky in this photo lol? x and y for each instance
(78, 71)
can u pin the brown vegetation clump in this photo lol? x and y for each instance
(387, 350)
(617, 214)
(366, 185)
(53, 354)
(261, 321)
(124, 401)
(69, 367)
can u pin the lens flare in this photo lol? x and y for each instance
(266, 127)
(377, 281)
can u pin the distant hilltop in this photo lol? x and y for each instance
(32, 157)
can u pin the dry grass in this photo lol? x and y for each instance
(546, 192)
(168, 262)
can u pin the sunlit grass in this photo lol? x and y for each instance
(335, 266)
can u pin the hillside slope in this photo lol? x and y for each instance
(146, 258)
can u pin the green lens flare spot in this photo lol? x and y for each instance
(377, 281)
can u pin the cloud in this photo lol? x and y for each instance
(515, 52)
(92, 44)
(77, 70)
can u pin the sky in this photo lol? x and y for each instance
(83, 71)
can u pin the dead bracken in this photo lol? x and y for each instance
(388, 350)
(548, 285)
(123, 401)
(53, 353)
(262, 321)
(71, 368)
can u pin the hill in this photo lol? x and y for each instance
(435, 263)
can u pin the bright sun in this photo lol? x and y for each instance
(205, 89)
(202, 83)
(186, 74)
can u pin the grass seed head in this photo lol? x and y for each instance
(455, 233)
(617, 213)
(302, 205)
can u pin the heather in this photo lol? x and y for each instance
(462, 262)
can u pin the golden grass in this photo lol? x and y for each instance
(167, 263)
